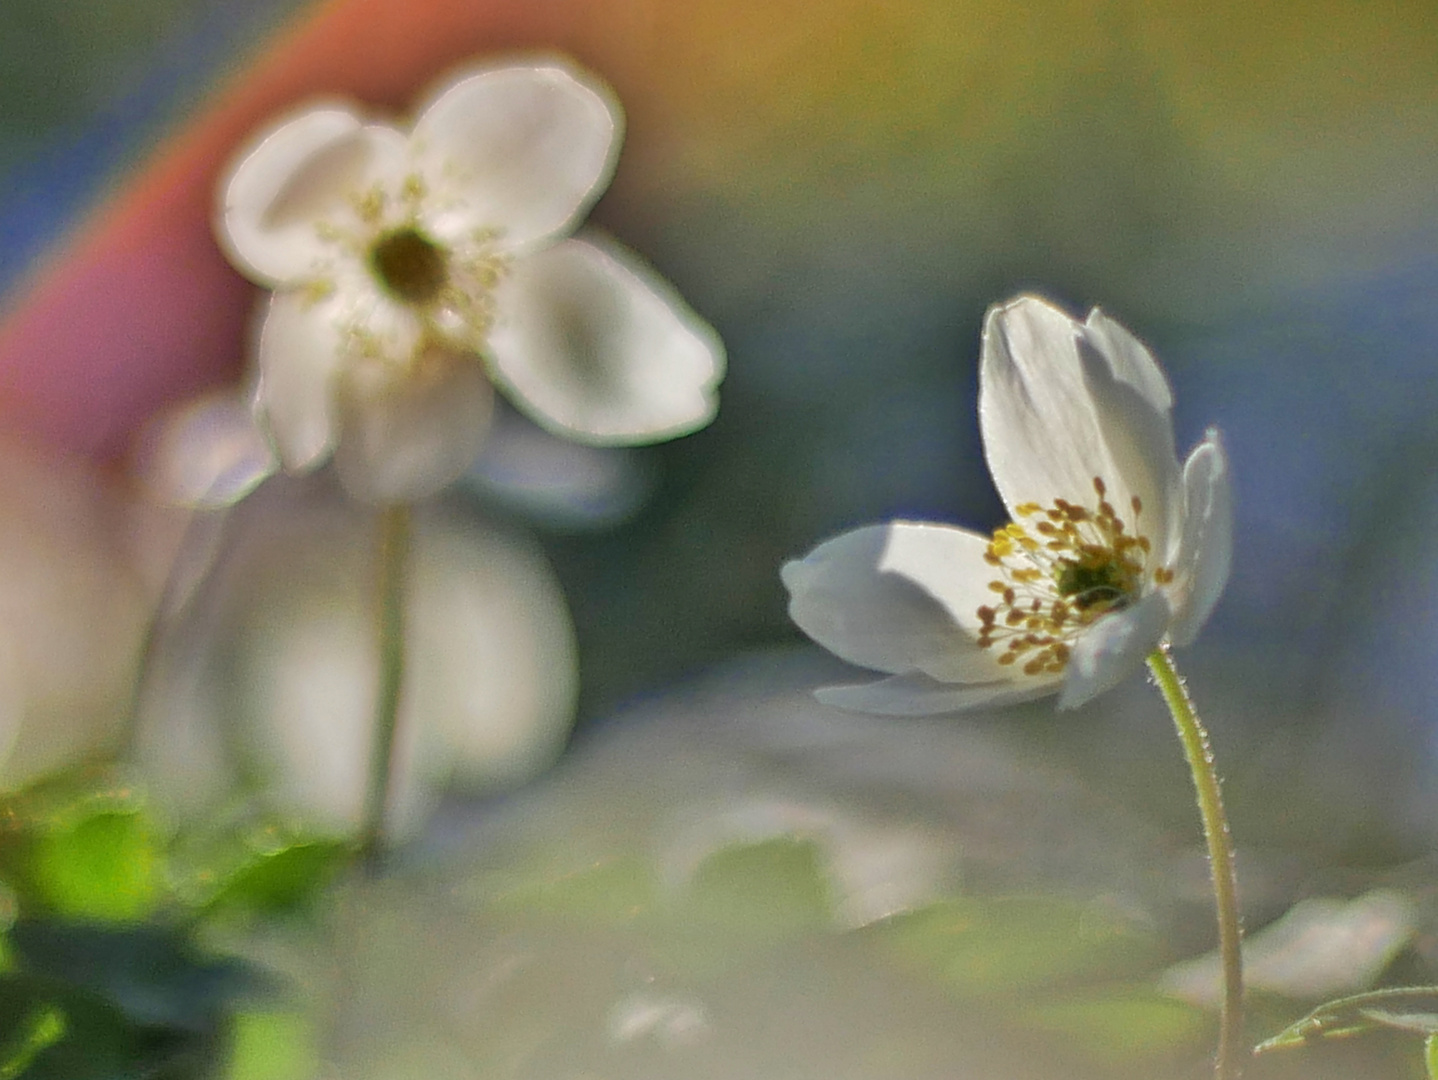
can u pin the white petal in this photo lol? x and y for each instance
(404, 437)
(1042, 435)
(297, 176)
(593, 345)
(1323, 947)
(524, 149)
(900, 598)
(1129, 360)
(206, 455)
(1205, 551)
(493, 653)
(299, 354)
(919, 695)
(1132, 402)
(558, 481)
(1111, 648)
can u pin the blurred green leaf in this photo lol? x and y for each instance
(1404, 1008)
(95, 1040)
(741, 902)
(105, 866)
(607, 892)
(279, 881)
(26, 1029)
(776, 886)
(92, 987)
(80, 845)
(1122, 1026)
(153, 975)
(272, 1046)
(983, 946)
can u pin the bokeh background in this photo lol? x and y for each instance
(842, 189)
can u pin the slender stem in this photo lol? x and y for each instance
(395, 528)
(1196, 749)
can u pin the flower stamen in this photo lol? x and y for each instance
(1061, 568)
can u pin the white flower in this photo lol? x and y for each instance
(1113, 546)
(412, 271)
(267, 678)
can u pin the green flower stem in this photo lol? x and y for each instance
(1196, 749)
(395, 530)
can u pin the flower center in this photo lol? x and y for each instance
(410, 265)
(1059, 571)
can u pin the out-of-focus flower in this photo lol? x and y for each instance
(411, 272)
(268, 676)
(1322, 947)
(75, 587)
(1113, 545)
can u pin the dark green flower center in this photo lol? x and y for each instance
(410, 265)
(1098, 578)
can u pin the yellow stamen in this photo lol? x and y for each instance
(1088, 562)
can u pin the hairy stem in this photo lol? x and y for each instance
(1228, 1064)
(392, 566)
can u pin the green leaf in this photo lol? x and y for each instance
(1122, 1026)
(152, 975)
(985, 946)
(80, 845)
(1430, 1056)
(776, 886)
(104, 867)
(1404, 1008)
(607, 892)
(272, 1046)
(97, 1041)
(25, 1032)
(280, 881)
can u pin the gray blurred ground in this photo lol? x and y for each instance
(733, 882)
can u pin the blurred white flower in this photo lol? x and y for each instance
(1113, 545)
(1322, 947)
(204, 454)
(267, 680)
(411, 272)
(75, 588)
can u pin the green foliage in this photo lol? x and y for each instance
(101, 973)
(154, 975)
(775, 887)
(28, 1031)
(103, 867)
(129, 1000)
(1071, 975)
(280, 881)
(272, 1046)
(612, 891)
(83, 851)
(980, 947)
(1406, 1008)
(1051, 966)
(1123, 1024)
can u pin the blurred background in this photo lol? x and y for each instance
(842, 189)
